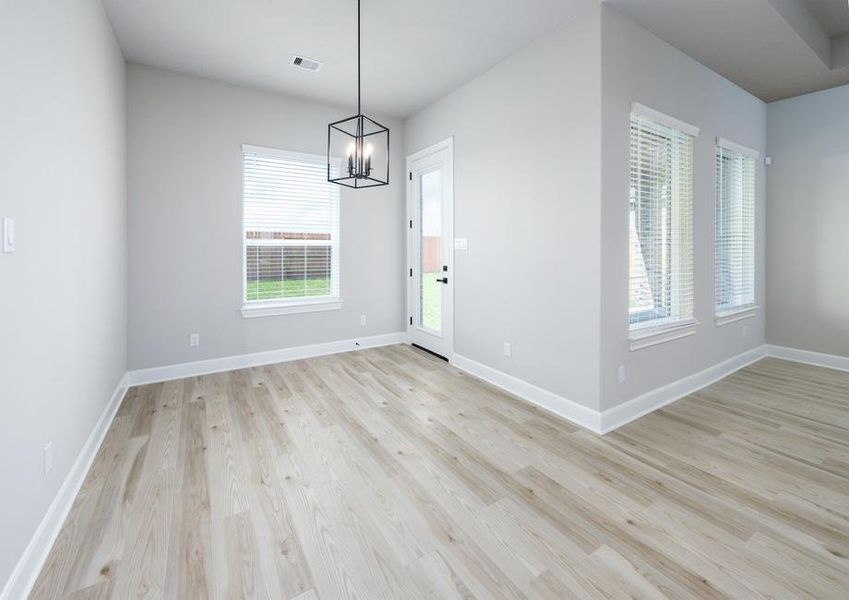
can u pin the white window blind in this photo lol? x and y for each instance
(735, 229)
(661, 223)
(291, 228)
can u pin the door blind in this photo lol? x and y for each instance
(661, 224)
(291, 227)
(735, 229)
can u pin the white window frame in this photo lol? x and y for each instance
(746, 311)
(267, 308)
(645, 336)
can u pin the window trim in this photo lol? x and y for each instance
(275, 307)
(738, 313)
(288, 307)
(745, 311)
(646, 337)
(662, 331)
(735, 147)
(664, 119)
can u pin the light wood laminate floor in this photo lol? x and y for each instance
(386, 473)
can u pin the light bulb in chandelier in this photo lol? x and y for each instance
(368, 153)
(359, 162)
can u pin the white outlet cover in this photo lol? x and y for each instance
(508, 349)
(194, 339)
(362, 319)
(461, 243)
(622, 374)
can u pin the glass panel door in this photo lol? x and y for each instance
(430, 251)
(430, 200)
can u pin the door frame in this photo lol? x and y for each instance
(448, 241)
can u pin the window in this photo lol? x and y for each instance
(735, 231)
(661, 227)
(290, 233)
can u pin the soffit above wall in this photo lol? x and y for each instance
(774, 49)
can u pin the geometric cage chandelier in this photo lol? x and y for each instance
(358, 147)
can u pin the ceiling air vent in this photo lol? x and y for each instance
(306, 64)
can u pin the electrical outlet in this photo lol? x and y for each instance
(622, 374)
(362, 319)
(194, 339)
(508, 349)
(745, 331)
(48, 458)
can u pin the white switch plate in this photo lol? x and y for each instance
(8, 235)
(508, 349)
(194, 339)
(48, 458)
(461, 243)
(362, 319)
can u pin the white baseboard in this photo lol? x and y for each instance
(23, 576)
(256, 359)
(613, 418)
(560, 406)
(616, 417)
(829, 361)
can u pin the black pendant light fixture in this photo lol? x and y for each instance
(358, 147)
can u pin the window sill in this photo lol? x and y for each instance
(271, 309)
(737, 314)
(652, 336)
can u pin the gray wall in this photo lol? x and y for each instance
(526, 144)
(808, 225)
(185, 199)
(63, 301)
(638, 66)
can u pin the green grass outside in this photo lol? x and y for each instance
(288, 288)
(432, 301)
(300, 288)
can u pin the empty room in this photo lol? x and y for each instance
(377, 299)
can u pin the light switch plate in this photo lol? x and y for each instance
(461, 243)
(8, 235)
(48, 458)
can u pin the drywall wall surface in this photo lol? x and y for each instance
(639, 67)
(185, 216)
(527, 183)
(808, 225)
(63, 300)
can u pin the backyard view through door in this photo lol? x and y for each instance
(431, 242)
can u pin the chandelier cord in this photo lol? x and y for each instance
(359, 83)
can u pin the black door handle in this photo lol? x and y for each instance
(443, 280)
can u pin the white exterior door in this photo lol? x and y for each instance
(430, 213)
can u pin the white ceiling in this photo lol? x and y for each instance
(772, 48)
(413, 51)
